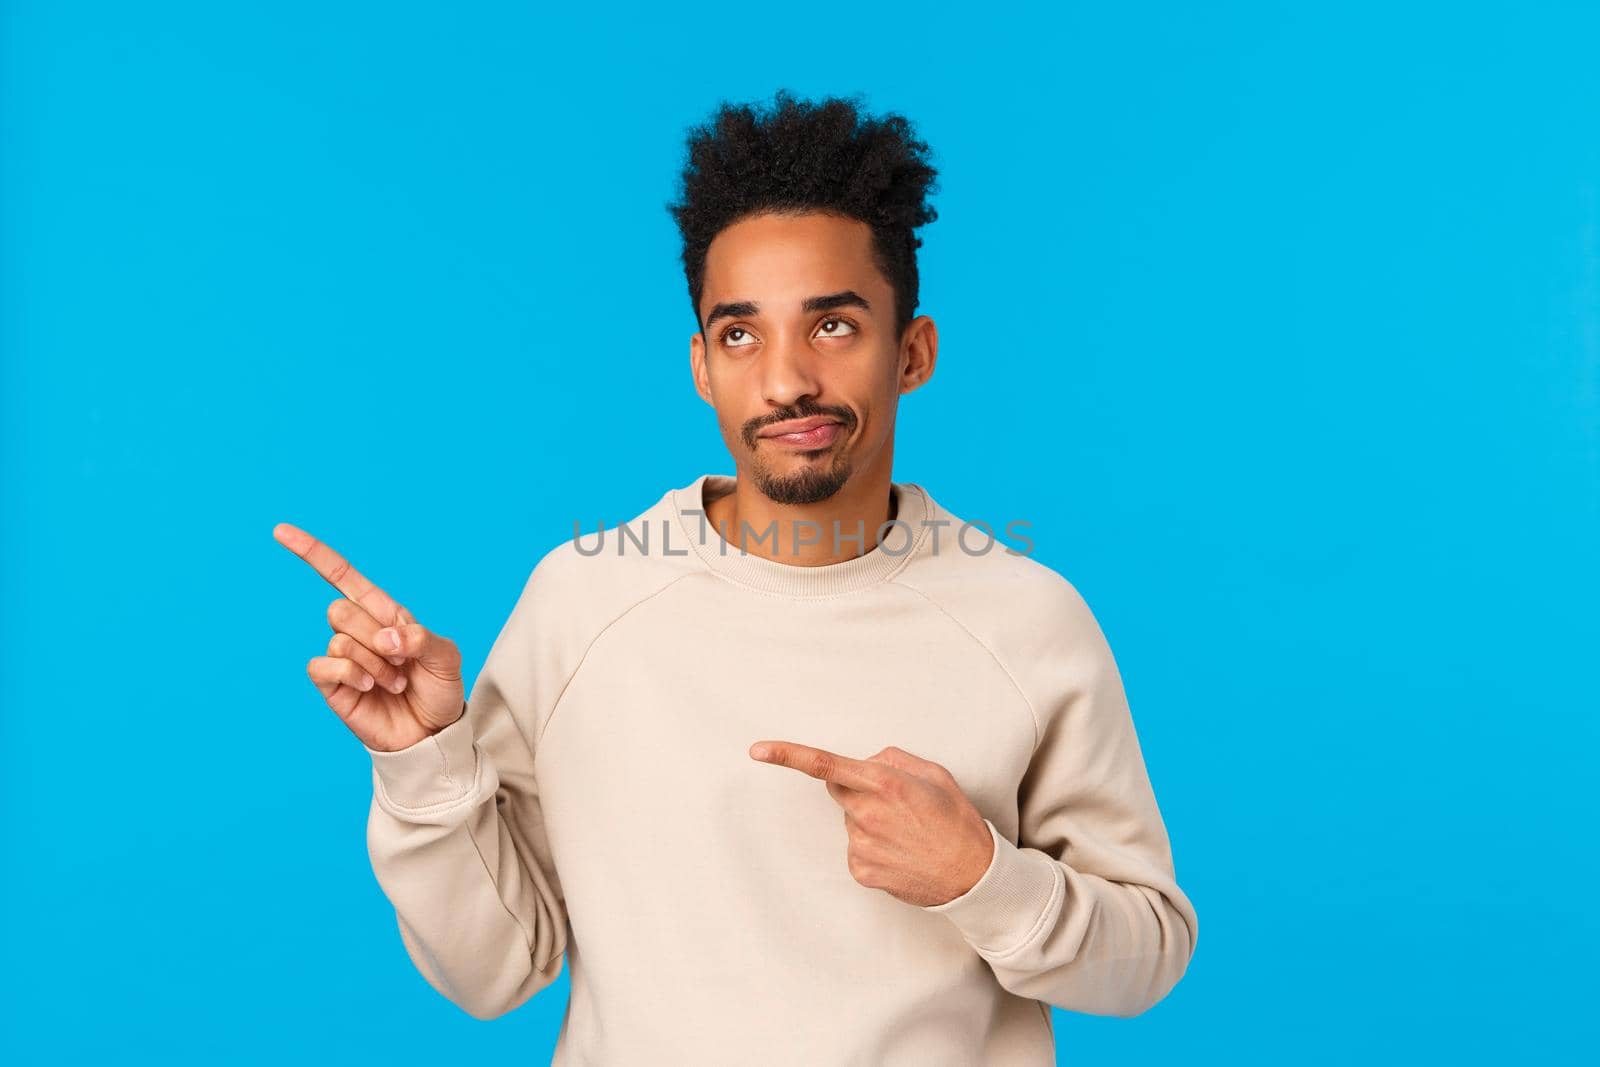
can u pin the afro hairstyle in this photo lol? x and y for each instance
(801, 156)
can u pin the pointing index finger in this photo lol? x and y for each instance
(819, 763)
(338, 572)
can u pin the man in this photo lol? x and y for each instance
(794, 768)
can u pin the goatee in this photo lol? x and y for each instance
(808, 485)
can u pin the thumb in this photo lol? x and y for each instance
(412, 640)
(901, 760)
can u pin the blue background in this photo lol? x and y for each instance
(1281, 326)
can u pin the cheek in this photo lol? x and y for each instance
(876, 395)
(731, 425)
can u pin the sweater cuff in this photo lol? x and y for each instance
(1004, 908)
(435, 771)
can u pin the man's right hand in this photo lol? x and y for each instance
(390, 697)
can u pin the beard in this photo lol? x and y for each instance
(817, 480)
(820, 473)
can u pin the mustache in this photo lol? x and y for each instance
(804, 411)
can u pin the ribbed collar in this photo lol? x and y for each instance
(906, 539)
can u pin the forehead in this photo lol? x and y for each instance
(785, 258)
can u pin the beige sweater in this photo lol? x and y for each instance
(597, 804)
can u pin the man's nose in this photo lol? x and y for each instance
(790, 370)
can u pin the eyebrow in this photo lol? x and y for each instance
(740, 308)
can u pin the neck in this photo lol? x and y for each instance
(804, 535)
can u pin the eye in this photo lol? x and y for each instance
(727, 337)
(829, 327)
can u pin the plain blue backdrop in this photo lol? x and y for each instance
(1281, 326)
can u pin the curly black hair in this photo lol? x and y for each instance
(806, 155)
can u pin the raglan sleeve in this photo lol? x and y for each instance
(1083, 911)
(455, 830)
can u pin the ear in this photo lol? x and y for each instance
(919, 351)
(697, 366)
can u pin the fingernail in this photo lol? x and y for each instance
(366, 681)
(398, 684)
(391, 640)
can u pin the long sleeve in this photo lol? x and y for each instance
(1084, 911)
(457, 840)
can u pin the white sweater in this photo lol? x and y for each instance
(597, 804)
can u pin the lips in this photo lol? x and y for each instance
(805, 433)
(796, 426)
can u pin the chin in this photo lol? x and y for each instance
(803, 478)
